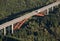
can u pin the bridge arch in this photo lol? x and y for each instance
(19, 24)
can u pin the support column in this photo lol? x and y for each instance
(57, 5)
(4, 31)
(12, 28)
(52, 8)
(47, 11)
(0, 32)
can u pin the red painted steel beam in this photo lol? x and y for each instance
(22, 23)
(40, 14)
(19, 24)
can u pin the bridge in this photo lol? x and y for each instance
(18, 22)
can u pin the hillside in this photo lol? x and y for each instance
(37, 28)
(9, 7)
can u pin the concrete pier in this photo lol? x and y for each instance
(4, 31)
(52, 8)
(47, 11)
(12, 28)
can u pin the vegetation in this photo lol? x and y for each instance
(38, 28)
(9, 7)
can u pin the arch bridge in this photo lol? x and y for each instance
(18, 22)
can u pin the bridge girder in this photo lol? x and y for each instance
(19, 24)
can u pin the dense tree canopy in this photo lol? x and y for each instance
(9, 6)
(37, 28)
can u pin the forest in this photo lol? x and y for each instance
(46, 28)
(38, 28)
(9, 7)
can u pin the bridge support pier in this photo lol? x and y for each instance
(52, 8)
(12, 28)
(4, 31)
(57, 5)
(47, 11)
